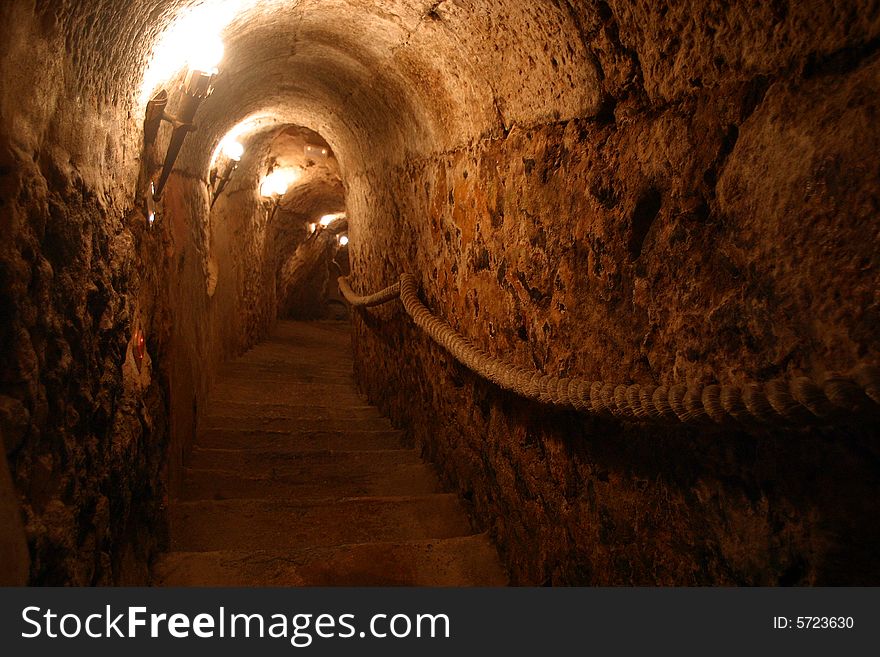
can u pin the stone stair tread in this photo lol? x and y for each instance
(291, 378)
(287, 424)
(287, 360)
(338, 439)
(458, 561)
(306, 354)
(199, 526)
(404, 454)
(302, 463)
(308, 390)
(284, 394)
(331, 484)
(280, 358)
(290, 411)
(294, 405)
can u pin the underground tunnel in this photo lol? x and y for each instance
(629, 327)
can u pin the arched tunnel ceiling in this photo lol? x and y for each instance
(283, 147)
(381, 80)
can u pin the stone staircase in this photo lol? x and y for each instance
(296, 481)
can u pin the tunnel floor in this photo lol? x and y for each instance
(296, 481)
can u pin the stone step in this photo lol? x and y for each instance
(293, 355)
(202, 526)
(292, 360)
(306, 375)
(318, 485)
(307, 345)
(286, 393)
(292, 410)
(290, 357)
(318, 349)
(318, 439)
(313, 390)
(263, 376)
(274, 365)
(459, 561)
(321, 333)
(300, 463)
(215, 421)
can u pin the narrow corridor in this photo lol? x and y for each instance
(629, 255)
(294, 480)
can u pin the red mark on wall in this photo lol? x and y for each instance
(140, 348)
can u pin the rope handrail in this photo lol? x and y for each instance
(799, 400)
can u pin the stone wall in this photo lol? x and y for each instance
(713, 220)
(84, 430)
(94, 440)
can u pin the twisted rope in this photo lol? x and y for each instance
(799, 400)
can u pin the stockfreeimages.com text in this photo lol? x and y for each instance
(299, 629)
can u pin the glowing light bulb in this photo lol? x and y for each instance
(151, 206)
(240, 131)
(343, 240)
(328, 219)
(190, 39)
(233, 150)
(313, 150)
(267, 187)
(205, 53)
(277, 182)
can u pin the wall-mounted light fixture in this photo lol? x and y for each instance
(328, 219)
(151, 206)
(316, 152)
(274, 187)
(323, 222)
(233, 150)
(197, 86)
(343, 240)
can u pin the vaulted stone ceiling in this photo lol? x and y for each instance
(373, 77)
(386, 78)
